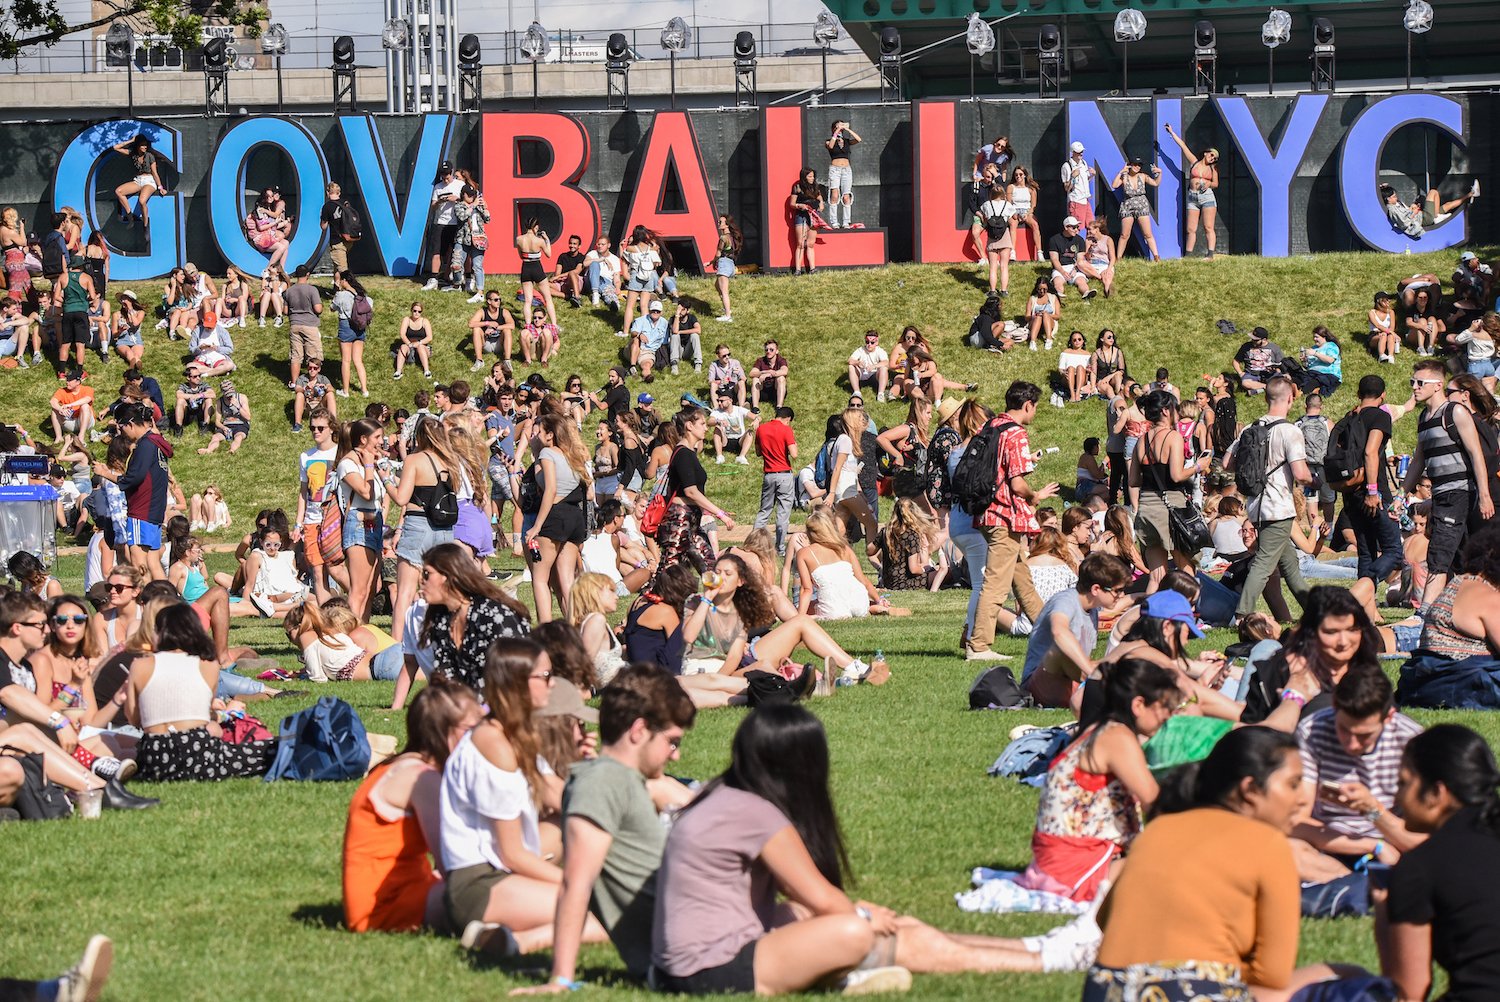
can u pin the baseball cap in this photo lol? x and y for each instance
(1260, 334)
(73, 374)
(210, 318)
(564, 700)
(1077, 147)
(1174, 606)
(127, 294)
(1468, 256)
(645, 398)
(301, 271)
(1072, 221)
(655, 306)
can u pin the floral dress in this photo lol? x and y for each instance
(488, 621)
(939, 486)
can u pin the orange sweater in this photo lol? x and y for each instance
(1206, 885)
(387, 875)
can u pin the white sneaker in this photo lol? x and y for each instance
(478, 297)
(854, 671)
(594, 299)
(985, 656)
(1033, 346)
(161, 325)
(718, 460)
(880, 397)
(262, 321)
(1441, 217)
(478, 364)
(279, 321)
(727, 318)
(620, 334)
(742, 461)
(342, 393)
(489, 937)
(263, 605)
(1474, 189)
(84, 982)
(242, 323)
(1021, 627)
(430, 286)
(1071, 947)
(674, 368)
(876, 981)
(1047, 344)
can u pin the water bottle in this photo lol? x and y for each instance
(878, 661)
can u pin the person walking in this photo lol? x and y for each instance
(1008, 520)
(304, 304)
(777, 445)
(1269, 461)
(1368, 501)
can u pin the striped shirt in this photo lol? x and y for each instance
(1442, 451)
(1324, 760)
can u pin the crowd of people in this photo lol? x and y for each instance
(508, 823)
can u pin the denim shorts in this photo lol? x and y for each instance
(724, 268)
(347, 334)
(367, 531)
(418, 536)
(647, 284)
(130, 339)
(1482, 367)
(385, 665)
(1201, 199)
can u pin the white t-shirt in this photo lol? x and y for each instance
(315, 473)
(410, 645)
(849, 473)
(732, 421)
(599, 557)
(446, 211)
(1075, 177)
(349, 499)
(1287, 446)
(869, 362)
(609, 266)
(93, 565)
(476, 793)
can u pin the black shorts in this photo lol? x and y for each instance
(1448, 525)
(565, 524)
(442, 236)
(532, 271)
(73, 328)
(737, 976)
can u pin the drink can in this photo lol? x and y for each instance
(1402, 463)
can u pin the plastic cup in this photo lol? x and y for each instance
(89, 803)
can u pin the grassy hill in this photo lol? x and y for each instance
(1164, 314)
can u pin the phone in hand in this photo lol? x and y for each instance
(1329, 790)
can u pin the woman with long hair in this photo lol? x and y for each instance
(653, 627)
(273, 285)
(1479, 341)
(145, 180)
(995, 215)
(832, 583)
(1132, 182)
(1203, 180)
(1053, 566)
(1043, 312)
(564, 482)
(731, 245)
(1073, 364)
(351, 341)
(497, 873)
(1118, 539)
(640, 259)
(970, 417)
(1439, 905)
(1107, 365)
(927, 381)
(767, 828)
(170, 696)
(234, 297)
(594, 600)
(361, 496)
(128, 341)
(1384, 341)
(1099, 787)
(805, 201)
(906, 445)
(843, 474)
(394, 826)
(1334, 637)
(1160, 481)
(466, 613)
(533, 245)
(473, 527)
(122, 611)
(1098, 257)
(1178, 924)
(64, 668)
(431, 469)
(330, 654)
(906, 545)
(1424, 327)
(903, 380)
(1022, 195)
(1323, 362)
(13, 245)
(415, 339)
(680, 534)
(177, 301)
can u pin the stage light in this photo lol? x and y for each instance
(1417, 20)
(470, 74)
(826, 30)
(744, 45)
(215, 53)
(1276, 31)
(744, 70)
(1323, 74)
(617, 57)
(1204, 36)
(343, 74)
(343, 51)
(890, 64)
(1049, 61)
(1322, 31)
(1205, 58)
(1130, 26)
(1048, 39)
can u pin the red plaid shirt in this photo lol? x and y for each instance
(1007, 509)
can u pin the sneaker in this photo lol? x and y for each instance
(985, 656)
(880, 397)
(727, 318)
(1071, 947)
(22, 363)
(478, 297)
(674, 368)
(489, 937)
(620, 334)
(296, 428)
(1021, 627)
(36, 358)
(161, 325)
(263, 605)
(1016, 733)
(718, 460)
(594, 299)
(109, 767)
(396, 376)
(742, 461)
(365, 394)
(1439, 218)
(428, 374)
(242, 323)
(431, 285)
(1090, 294)
(1033, 346)
(573, 301)
(1047, 344)
(1474, 190)
(876, 981)
(855, 671)
(84, 981)
(342, 393)
(279, 321)
(1054, 400)
(478, 364)
(697, 366)
(262, 321)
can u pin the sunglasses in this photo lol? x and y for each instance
(545, 676)
(40, 624)
(115, 589)
(319, 427)
(77, 620)
(1423, 382)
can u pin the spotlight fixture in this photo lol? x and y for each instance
(343, 74)
(215, 77)
(890, 64)
(1276, 31)
(1049, 61)
(617, 57)
(744, 70)
(1205, 58)
(470, 74)
(1323, 76)
(1130, 26)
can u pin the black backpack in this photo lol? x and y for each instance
(54, 254)
(1344, 462)
(996, 689)
(978, 471)
(351, 226)
(1252, 458)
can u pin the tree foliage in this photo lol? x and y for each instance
(27, 23)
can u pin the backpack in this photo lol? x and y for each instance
(996, 223)
(1344, 458)
(54, 253)
(40, 799)
(1315, 433)
(442, 510)
(351, 226)
(362, 314)
(1252, 458)
(996, 689)
(823, 464)
(978, 472)
(659, 502)
(326, 741)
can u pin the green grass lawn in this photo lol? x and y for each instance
(235, 888)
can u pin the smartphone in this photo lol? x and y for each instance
(1329, 790)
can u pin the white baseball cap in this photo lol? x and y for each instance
(655, 306)
(1072, 221)
(1077, 147)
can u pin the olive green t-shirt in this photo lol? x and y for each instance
(613, 796)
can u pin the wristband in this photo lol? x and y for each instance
(567, 983)
(1294, 696)
(1372, 490)
(57, 721)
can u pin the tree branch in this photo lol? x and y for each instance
(11, 46)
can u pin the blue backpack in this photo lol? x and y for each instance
(326, 741)
(823, 464)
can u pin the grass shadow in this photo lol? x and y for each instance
(329, 915)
